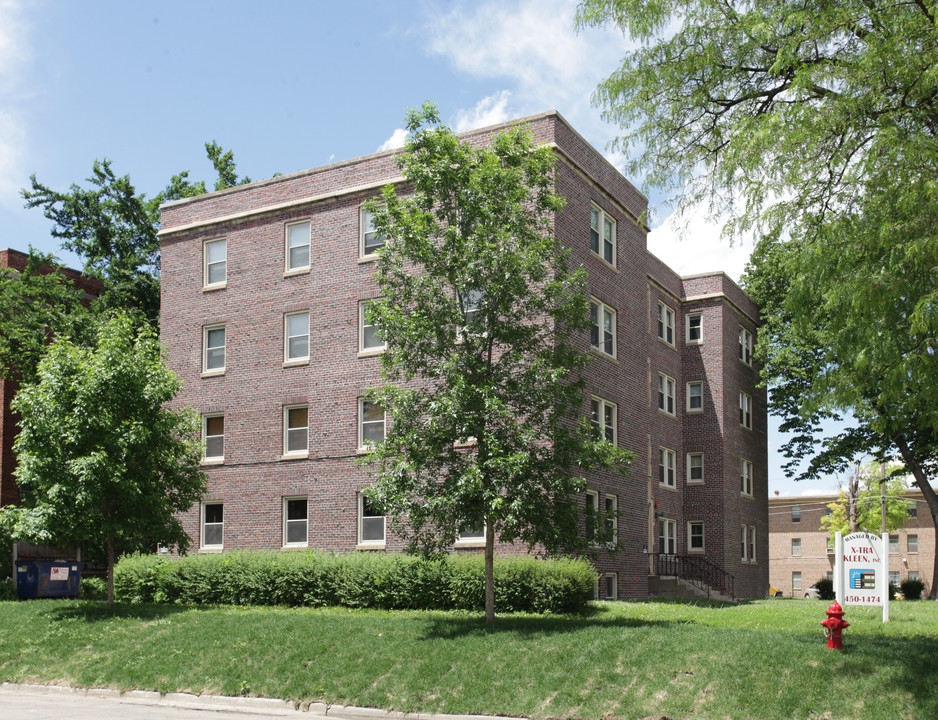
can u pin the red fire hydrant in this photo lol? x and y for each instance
(834, 626)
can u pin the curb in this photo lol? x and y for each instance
(247, 705)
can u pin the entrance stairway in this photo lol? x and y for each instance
(689, 576)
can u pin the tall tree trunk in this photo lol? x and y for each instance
(853, 490)
(489, 572)
(110, 570)
(928, 492)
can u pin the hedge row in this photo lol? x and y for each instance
(372, 580)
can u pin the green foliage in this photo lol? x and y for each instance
(912, 589)
(224, 165)
(868, 504)
(825, 589)
(7, 589)
(101, 460)
(360, 580)
(93, 588)
(484, 349)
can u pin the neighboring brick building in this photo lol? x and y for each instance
(9, 421)
(262, 293)
(800, 553)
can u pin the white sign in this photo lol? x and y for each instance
(861, 574)
(58, 573)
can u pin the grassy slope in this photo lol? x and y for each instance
(626, 660)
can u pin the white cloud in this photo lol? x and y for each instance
(14, 48)
(490, 110)
(397, 140)
(15, 54)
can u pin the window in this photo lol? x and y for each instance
(893, 544)
(745, 346)
(213, 349)
(213, 525)
(612, 518)
(912, 541)
(296, 430)
(694, 396)
(745, 411)
(913, 575)
(370, 523)
(894, 577)
(213, 435)
(296, 337)
(369, 332)
(666, 467)
(371, 424)
(371, 241)
(297, 249)
(592, 514)
(743, 546)
(295, 521)
(695, 467)
(666, 393)
(796, 513)
(694, 328)
(603, 327)
(666, 536)
(796, 547)
(752, 543)
(666, 324)
(609, 585)
(745, 477)
(913, 509)
(603, 419)
(472, 535)
(602, 235)
(215, 263)
(472, 306)
(695, 536)
(796, 581)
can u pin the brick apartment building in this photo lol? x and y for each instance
(9, 421)
(263, 291)
(800, 553)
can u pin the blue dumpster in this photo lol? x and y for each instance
(41, 579)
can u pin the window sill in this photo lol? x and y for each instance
(371, 352)
(693, 483)
(693, 342)
(364, 450)
(294, 456)
(295, 546)
(212, 461)
(469, 544)
(666, 413)
(665, 342)
(370, 546)
(748, 496)
(212, 373)
(605, 262)
(296, 363)
(296, 271)
(694, 411)
(696, 552)
(212, 288)
(367, 258)
(603, 354)
(212, 549)
(665, 486)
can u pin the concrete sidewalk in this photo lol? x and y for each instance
(51, 701)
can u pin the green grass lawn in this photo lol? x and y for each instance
(765, 659)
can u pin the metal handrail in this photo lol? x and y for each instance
(696, 570)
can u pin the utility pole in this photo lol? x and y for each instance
(882, 496)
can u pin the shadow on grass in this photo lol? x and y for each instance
(914, 664)
(96, 611)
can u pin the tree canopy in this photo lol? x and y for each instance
(859, 506)
(484, 325)
(815, 125)
(101, 460)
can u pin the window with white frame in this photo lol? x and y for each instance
(666, 323)
(695, 536)
(913, 575)
(796, 580)
(213, 349)
(745, 477)
(296, 337)
(213, 525)
(472, 309)
(603, 418)
(912, 541)
(214, 263)
(371, 522)
(295, 521)
(370, 424)
(369, 332)
(694, 396)
(913, 509)
(213, 435)
(667, 536)
(895, 577)
(796, 547)
(666, 467)
(745, 410)
(296, 430)
(472, 535)
(695, 467)
(694, 328)
(592, 514)
(666, 393)
(745, 346)
(370, 241)
(297, 246)
(752, 543)
(612, 518)
(602, 327)
(610, 581)
(893, 544)
(743, 543)
(602, 235)
(796, 513)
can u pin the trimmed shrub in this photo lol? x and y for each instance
(93, 588)
(825, 589)
(912, 589)
(389, 581)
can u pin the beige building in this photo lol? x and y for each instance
(799, 553)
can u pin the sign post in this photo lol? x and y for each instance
(861, 575)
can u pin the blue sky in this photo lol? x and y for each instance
(292, 85)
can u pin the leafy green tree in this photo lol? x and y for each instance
(484, 326)
(35, 304)
(101, 460)
(815, 125)
(858, 507)
(113, 228)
